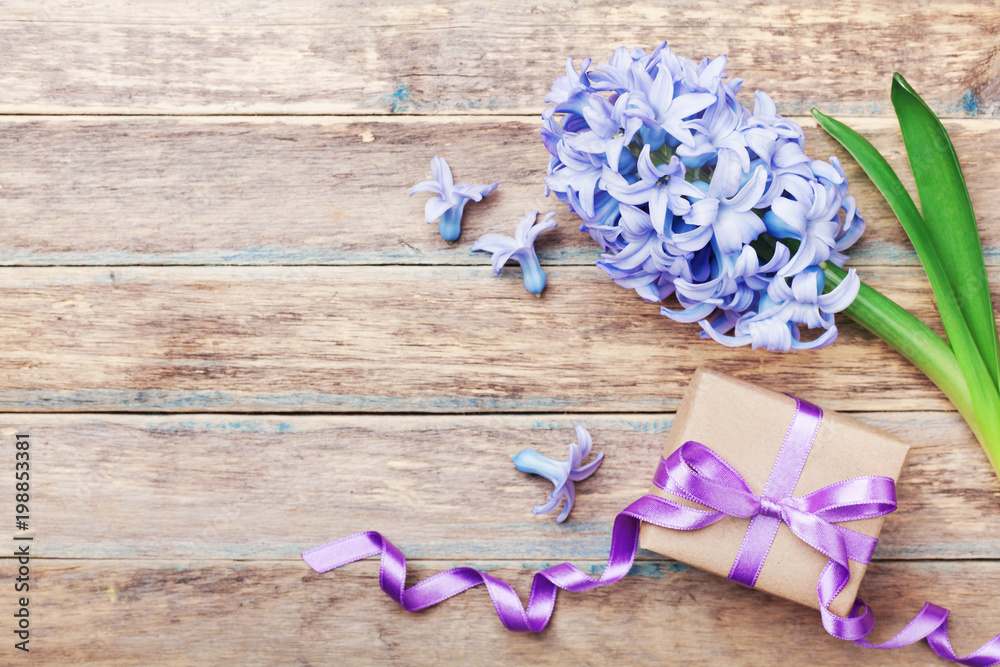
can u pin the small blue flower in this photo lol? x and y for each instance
(664, 112)
(607, 131)
(568, 91)
(521, 249)
(726, 210)
(562, 474)
(716, 129)
(645, 263)
(783, 307)
(449, 199)
(577, 176)
(662, 187)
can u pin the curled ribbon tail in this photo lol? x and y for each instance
(544, 586)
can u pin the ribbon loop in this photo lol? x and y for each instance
(850, 500)
(696, 473)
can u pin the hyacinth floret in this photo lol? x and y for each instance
(691, 195)
(448, 202)
(563, 474)
(521, 249)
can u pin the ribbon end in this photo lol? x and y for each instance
(346, 550)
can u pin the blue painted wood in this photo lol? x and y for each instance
(176, 400)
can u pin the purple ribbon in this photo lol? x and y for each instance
(780, 483)
(695, 472)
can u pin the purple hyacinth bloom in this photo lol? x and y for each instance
(569, 91)
(784, 307)
(608, 131)
(663, 111)
(695, 197)
(717, 128)
(804, 301)
(562, 474)
(521, 249)
(662, 187)
(614, 75)
(577, 177)
(646, 263)
(853, 225)
(603, 225)
(449, 200)
(725, 214)
(812, 217)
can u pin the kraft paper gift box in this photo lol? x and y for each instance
(746, 425)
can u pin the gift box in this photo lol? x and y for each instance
(746, 426)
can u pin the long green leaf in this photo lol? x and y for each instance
(911, 337)
(947, 212)
(983, 393)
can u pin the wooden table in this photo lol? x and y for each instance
(231, 336)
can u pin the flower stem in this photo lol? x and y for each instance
(926, 350)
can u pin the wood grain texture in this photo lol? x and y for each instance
(204, 215)
(467, 57)
(210, 486)
(281, 613)
(398, 339)
(273, 191)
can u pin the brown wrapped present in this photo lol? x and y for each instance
(746, 425)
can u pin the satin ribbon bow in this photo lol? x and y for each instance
(696, 473)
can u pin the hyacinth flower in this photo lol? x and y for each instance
(726, 209)
(804, 302)
(562, 474)
(449, 198)
(655, 101)
(570, 89)
(656, 188)
(521, 249)
(706, 200)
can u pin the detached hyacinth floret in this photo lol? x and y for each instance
(562, 474)
(691, 194)
(449, 198)
(521, 249)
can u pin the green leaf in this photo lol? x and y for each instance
(947, 212)
(983, 393)
(911, 338)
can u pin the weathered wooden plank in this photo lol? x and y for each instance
(466, 57)
(333, 190)
(230, 486)
(277, 613)
(410, 339)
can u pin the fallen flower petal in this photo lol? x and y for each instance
(521, 249)
(449, 198)
(562, 474)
